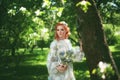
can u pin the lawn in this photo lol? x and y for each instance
(33, 66)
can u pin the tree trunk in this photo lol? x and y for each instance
(93, 40)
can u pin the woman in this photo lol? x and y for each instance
(61, 56)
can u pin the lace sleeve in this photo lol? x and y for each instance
(51, 63)
(78, 54)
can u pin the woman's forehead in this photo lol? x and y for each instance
(60, 27)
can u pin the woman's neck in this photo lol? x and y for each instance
(61, 39)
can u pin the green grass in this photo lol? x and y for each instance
(33, 66)
(116, 55)
(24, 67)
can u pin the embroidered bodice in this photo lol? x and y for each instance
(61, 51)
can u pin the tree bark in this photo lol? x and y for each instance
(93, 40)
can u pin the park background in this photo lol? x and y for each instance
(27, 28)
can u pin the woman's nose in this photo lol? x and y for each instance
(59, 31)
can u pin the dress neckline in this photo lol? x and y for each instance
(61, 40)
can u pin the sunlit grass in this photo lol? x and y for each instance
(112, 48)
(32, 66)
(82, 75)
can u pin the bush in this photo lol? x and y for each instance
(110, 34)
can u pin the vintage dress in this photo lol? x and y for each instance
(53, 60)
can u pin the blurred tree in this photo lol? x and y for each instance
(22, 20)
(109, 11)
(93, 39)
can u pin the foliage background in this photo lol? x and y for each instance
(27, 28)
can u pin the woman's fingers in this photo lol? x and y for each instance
(61, 67)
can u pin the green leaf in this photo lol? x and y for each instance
(93, 71)
(83, 5)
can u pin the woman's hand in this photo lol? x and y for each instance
(61, 67)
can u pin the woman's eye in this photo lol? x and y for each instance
(62, 29)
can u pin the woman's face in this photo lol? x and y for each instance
(61, 32)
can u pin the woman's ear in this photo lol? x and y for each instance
(66, 35)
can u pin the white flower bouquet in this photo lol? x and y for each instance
(66, 56)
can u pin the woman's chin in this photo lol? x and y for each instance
(61, 38)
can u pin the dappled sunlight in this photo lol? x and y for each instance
(114, 48)
(82, 75)
(81, 70)
(117, 47)
(24, 72)
(27, 29)
(32, 66)
(25, 66)
(42, 63)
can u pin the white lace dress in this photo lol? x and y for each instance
(53, 60)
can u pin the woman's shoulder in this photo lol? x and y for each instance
(67, 40)
(53, 43)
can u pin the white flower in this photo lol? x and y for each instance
(83, 2)
(104, 70)
(22, 9)
(37, 12)
(102, 66)
(63, 22)
(103, 76)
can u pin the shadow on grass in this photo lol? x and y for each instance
(23, 67)
(22, 59)
(27, 72)
(117, 47)
(116, 56)
(29, 67)
(81, 71)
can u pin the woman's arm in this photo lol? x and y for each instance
(77, 52)
(52, 59)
